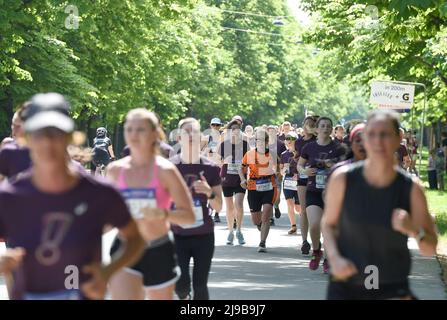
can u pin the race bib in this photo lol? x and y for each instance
(264, 185)
(213, 146)
(139, 200)
(198, 213)
(290, 184)
(233, 168)
(320, 179)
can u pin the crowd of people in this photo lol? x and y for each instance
(353, 191)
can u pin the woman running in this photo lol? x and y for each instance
(321, 155)
(232, 150)
(308, 136)
(196, 240)
(53, 216)
(357, 147)
(372, 207)
(289, 171)
(149, 183)
(261, 185)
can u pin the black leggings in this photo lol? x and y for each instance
(201, 249)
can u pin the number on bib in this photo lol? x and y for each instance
(320, 179)
(264, 185)
(290, 184)
(233, 168)
(139, 200)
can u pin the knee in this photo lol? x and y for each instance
(314, 227)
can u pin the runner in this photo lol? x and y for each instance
(401, 154)
(232, 150)
(249, 133)
(321, 155)
(285, 129)
(308, 136)
(14, 157)
(358, 149)
(276, 147)
(372, 207)
(210, 145)
(288, 165)
(148, 182)
(261, 185)
(102, 150)
(69, 211)
(339, 133)
(197, 240)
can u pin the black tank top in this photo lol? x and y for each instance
(366, 235)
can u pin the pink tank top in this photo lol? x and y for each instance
(153, 190)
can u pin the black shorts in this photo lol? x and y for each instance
(348, 291)
(290, 194)
(100, 157)
(257, 199)
(230, 191)
(314, 198)
(157, 266)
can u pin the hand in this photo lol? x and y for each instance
(202, 186)
(342, 268)
(244, 184)
(310, 172)
(96, 287)
(11, 259)
(402, 223)
(329, 163)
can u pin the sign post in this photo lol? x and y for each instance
(399, 96)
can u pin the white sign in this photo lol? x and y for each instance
(391, 95)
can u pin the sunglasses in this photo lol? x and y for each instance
(290, 139)
(216, 125)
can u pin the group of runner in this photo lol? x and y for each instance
(350, 188)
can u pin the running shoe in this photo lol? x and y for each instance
(272, 222)
(262, 247)
(326, 266)
(277, 213)
(305, 247)
(240, 237)
(292, 230)
(230, 238)
(216, 218)
(315, 261)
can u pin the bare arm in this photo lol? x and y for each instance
(340, 267)
(112, 154)
(128, 254)
(300, 166)
(131, 252)
(216, 203)
(420, 219)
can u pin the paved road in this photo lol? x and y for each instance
(241, 273)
